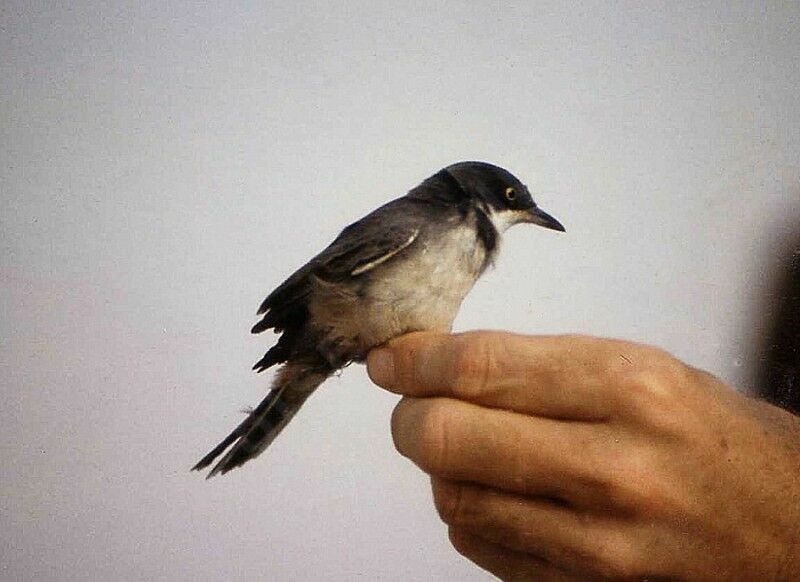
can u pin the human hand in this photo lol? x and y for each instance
(568, 457)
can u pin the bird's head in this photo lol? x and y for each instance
(503, 196)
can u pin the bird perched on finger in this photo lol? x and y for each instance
(407, 266)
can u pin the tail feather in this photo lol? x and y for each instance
(243, 427)
(292, 386)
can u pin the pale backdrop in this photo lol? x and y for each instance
(163, 165)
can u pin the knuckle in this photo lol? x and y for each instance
(628, 492)
(512, 529)
(639, 488)
(475, 509)
(627, 478)
(473, 361)
(436, 435)
(655, 386)
(450, 502)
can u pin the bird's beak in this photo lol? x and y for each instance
(539, 217)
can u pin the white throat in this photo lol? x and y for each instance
(503, 219)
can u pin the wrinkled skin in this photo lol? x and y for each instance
(571, 457)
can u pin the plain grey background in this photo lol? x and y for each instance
(164, 165)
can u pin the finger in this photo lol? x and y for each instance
(565, 539)
(529, 455)
(555, 376)
(504, 563)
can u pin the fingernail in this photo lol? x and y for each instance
(380, 367)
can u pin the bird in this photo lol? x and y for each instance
(405, 267)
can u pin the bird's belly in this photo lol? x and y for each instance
(424, 290)
(419, 290)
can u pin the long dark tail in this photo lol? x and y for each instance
(294, 383)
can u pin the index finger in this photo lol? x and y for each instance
(555, 376)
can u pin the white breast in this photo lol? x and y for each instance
(419, 288)
(426, 290)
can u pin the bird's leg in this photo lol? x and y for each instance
(334, 351)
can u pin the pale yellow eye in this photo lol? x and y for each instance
(511, 194)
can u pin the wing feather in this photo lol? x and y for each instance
(359, 248)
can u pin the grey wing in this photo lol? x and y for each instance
(359, 248)
(364, 245)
